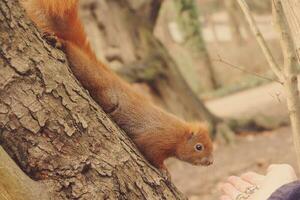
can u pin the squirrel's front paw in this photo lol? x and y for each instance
(165, 173)
(53, 40)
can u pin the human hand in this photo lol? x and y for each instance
(253, 186)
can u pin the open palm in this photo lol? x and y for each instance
(253, 186)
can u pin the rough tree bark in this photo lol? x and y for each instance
(53, 130)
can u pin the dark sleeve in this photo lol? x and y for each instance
(289, 191)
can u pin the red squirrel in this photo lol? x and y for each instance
(157, 134)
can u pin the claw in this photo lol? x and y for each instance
(164, 171)
(52, 40)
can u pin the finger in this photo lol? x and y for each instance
(253, 178)
(225, 197)
(240, 184)
(230, 190)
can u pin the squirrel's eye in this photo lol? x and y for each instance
(199, 147)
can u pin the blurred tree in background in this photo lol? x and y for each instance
(234, 20)
(188, 18)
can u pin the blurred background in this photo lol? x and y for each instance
(199, 60)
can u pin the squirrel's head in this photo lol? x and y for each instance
(196, 147)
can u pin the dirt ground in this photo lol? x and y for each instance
(252, 152)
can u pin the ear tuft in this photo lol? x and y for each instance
(190, 135)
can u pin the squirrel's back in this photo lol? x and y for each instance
(59, 17)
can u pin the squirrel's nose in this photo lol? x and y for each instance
(209, 160)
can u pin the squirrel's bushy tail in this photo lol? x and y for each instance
(59, 17)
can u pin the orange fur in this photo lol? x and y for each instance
(157, 134)
(59, 17)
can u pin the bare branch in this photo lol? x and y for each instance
(260, 39)
(242, 69)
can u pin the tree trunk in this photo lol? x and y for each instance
(125, 38)
(188, 18)
(58, 136)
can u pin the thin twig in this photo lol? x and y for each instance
(242, 69)
(260, 39)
